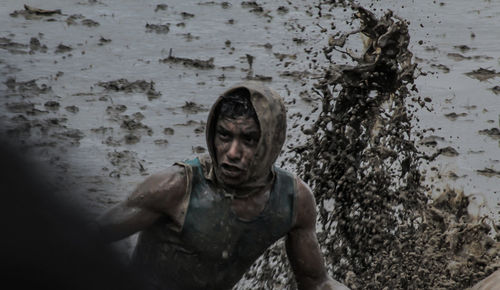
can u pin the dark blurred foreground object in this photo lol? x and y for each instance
(45, 243)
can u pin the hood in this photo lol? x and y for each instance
(271, 112)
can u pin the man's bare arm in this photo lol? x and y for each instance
(160, 194)
(303, 249)
(491, 282)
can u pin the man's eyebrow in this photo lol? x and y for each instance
(221, 128)
(253, 134)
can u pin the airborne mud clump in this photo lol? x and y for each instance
(195, 63)
(378, 227)
(139, 86)
(27, 89)
(30, 12)
(158, 28)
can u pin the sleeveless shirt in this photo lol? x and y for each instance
(215, 247)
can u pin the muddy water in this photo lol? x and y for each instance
(122, 47)
(103, 139)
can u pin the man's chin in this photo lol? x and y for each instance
(230, 177)
(231, 180)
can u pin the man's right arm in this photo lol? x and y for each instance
(160, 194)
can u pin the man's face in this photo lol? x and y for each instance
(235, 145)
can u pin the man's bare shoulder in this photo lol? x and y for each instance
(306, 205)
(161, 191)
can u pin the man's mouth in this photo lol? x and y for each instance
(231, 170)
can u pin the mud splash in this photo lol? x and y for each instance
(379, 229)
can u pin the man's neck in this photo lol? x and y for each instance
(245, 192)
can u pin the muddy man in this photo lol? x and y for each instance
(203, 222)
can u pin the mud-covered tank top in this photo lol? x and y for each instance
(215, 247)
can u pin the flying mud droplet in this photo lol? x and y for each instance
(493, 133)
(161, 7)
(158, 28)
(61, 48)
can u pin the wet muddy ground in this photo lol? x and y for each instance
(106, 92)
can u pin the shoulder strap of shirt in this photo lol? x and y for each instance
(188, 169)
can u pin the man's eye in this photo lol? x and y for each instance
(250, 140)
(223, 135)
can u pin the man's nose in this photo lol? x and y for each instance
(234, 151)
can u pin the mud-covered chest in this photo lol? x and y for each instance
(214, 231)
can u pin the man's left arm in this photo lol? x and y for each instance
(302, 246)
